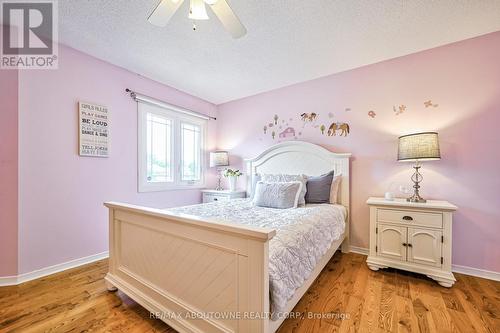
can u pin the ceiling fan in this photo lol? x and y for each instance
(197, 11)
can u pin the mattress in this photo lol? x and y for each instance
(303, 236)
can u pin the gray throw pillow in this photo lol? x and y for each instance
(277, 195)
(271, 178)
(318, 188)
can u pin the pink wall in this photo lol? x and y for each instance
(61, 194)
(463, 78)
(8, 172)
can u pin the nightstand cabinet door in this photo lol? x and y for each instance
(391, 242)
(425, 246)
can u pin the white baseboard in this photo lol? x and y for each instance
(15, 280)
(8, 281)
(359, 250)
(482, 273)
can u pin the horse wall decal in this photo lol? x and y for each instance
(342, 127)
(308, 117)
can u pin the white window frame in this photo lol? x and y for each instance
(177, 119)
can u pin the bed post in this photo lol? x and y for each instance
(345, 199)
(112, 260)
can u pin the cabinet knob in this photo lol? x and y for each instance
(409, 245)
(404, 244)
(215, 199)
(407, 218)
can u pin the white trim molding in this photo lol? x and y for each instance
(25, 277)
(8, 281)
(482, 273)
(477, 272)
(359, 250)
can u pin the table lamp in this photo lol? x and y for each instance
(219, 159)
(418, 147)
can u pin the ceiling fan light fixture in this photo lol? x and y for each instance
(197, 10)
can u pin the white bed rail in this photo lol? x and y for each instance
(196, 275)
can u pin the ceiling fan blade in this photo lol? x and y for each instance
(164, 11)
(228, 18)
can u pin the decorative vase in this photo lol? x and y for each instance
(232, 183)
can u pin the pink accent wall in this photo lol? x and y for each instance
(61, 194)
(463, 78)
(8, 172)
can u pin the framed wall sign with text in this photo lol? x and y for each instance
(94, 130)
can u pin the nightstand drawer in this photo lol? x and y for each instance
(434, 220)
(211, 197)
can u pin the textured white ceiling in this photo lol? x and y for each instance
(288, 41)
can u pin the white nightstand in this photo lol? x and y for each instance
(412, 236)
(213, 195)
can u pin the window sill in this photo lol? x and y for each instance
(170, 188)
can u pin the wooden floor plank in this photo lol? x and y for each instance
(385, 301)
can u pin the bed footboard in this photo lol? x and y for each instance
(196, 275)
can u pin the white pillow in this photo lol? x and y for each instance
(280, 195)
(283, 178)
(334, 188)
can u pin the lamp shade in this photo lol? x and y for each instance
(419, 147)
(219, 158)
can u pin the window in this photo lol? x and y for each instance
(171, 146)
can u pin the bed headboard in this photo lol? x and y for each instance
(298, 157)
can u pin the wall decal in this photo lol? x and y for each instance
(287, 133)
(93, 130)
(330, 115)
(265, 129)
(347, 109)
(371, 114)
(308, 117)
(429, 104)
(270, 125)
(276, 119)
(273, 134)
(399, 110)
(322, 129)
(342, 127)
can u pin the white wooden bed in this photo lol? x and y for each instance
(190, 270)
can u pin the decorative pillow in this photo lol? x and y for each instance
(334, 190)
(269, 178)
(255, 179)
(277, 195)
(318, 188)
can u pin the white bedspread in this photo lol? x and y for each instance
(303, 235)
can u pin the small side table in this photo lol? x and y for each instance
(412, 236)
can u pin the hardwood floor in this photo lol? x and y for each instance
(346, 297)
